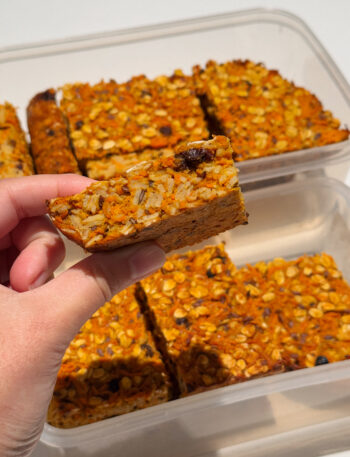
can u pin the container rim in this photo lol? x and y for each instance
(110, 38)
(256, 169)
(225, 395)
(151, 417)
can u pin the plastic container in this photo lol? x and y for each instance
(305, 215)
(287, 219)
(278, 39)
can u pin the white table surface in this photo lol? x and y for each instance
(23, 22)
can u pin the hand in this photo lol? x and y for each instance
(39, 316)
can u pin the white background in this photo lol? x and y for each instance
(27, 21)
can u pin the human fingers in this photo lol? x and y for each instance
(5, 242)
(7, 257)
(41, 251)
(26, 197)
(71, 298)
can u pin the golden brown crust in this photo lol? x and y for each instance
(50, 145)
(214, 325)
(307, 304)
(178, 200)
(217, 325)
(111, 367)
(15, 159)
(261, 112)
(206, 342)
(111, 118)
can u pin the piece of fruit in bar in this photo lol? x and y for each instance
(178, 201)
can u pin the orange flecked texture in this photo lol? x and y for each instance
(111, 367)
(213, 325)
(307, 304)
(177, 200)
(217, 325)
(109, 118)
(15, 159)
(261, 112)
(206, 341)
(49, 136)
(111, 166)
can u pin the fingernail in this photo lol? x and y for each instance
(146, 260)
(40, 280)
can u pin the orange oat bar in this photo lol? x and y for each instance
(111, 367)
(15, 159)
(205, 339)
(111, 118)
(215, 324)
(111, 166)
(307, 302)
(49, 136)
(302, 304)
(178, 201)
(261, 112)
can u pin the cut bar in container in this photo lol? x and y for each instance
(217, 325)
(303, 305)
(116, 164)
(203, 338)
(15, 159)
(261, 112)
(111, 118)
(178, 201)
(307, 302)
(50, 144)
(111, 367)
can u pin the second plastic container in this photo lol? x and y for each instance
(302, 216)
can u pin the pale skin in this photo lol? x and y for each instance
(39, 316)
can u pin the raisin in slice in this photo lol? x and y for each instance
(193, 157)
(321, 360)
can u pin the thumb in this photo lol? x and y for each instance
(70, 299)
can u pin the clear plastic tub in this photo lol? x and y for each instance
(278, 39)
(305, 215)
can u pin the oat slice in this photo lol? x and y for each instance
(310, 300)
(112, 118)
(207, 341)
(50, 145)
(178, 201)
(303, 305)
(15, 159)
(261, 112)
(111, 367)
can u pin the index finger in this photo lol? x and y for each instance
(26, 197)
